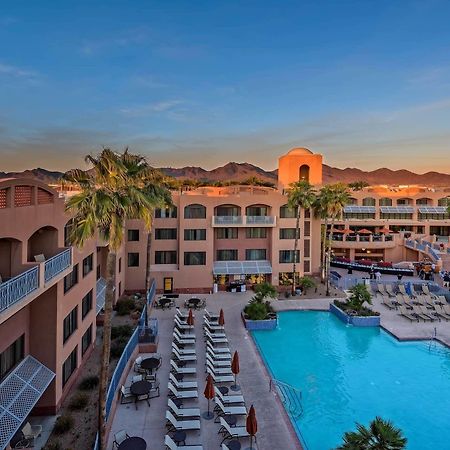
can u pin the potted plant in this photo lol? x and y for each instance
(259, 309)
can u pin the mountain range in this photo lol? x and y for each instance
(242, 171)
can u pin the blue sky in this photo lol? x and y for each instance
(366, 83)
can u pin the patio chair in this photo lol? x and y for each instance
(218, 363)
(216, 339)
(177, 332)
(382, 290)
(137, 365)
(174, 424)
(119, 437)
(220, 356)
(183, 351)
(31, 431)
(223, 410)
(229, 433)
(229, 399)
(389, 290)
(446, 308)
(438, 311)
(184, 358)
(136, 378)
(402, 289)
(426, 291)
(211, 316)
(428, 313)
(388, 303)
(183, 412)
(182, 384)
(441, 300)
(170, 444)
(219, 370)
(183, 370)
(175, 393)
(125, 394)
(217, 350)
(418, 313)
(220, 378)
(405, 313)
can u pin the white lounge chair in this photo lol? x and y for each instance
(119, 437)
(220, 378)
(216, 350)
(184, 335)
(180, 341)
(31, 431)
(223, 410)
(174, 424)
(185, 358)
(182, 384)
(207, 331)
(183, 351)
(218, 362)
(125, 394)
(229, 399)
(213, 317)
(184, 370)
(405, 313)
(174, 392)
(219, 370)
(183, 412)
(228, 433)
(216, 340)
(218, 356)
(170, 444)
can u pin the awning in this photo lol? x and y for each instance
(241, 267)
(433, 210)
(19, 393)
(397, 209)
(354, 209)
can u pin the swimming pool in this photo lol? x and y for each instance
(349, 374)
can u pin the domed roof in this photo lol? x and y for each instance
(300, 151)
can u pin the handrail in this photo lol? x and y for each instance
(290, 396)
(57, 264)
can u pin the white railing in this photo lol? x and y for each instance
(260, 220)
(57, 264)
(17, 288)
(227, 220)
(244, 220)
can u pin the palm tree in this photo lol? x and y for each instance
(339, 196)
(381, 435)
(109, 194)
(321, 210)
(301, 195)
(358, 185)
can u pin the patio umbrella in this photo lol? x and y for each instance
(251, 425)
(221, 318)
(364, 231)
(209, 395)
(338, 231)
(235, 370)
(190, 319)
(347, 231)
(385, 231)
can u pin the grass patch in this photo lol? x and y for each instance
(63, 424)
(88, 383)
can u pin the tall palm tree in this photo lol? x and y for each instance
(358, 185)
(301, 195)
(321, 210)
(381, 435)
(109, 194)
(339, 196)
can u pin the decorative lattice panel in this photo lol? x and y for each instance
(7, 423)
(22, 196)
(44, 197)
(3, 198)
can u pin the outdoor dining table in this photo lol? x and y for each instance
(141, 388)
(133, 443)
(150, 364)
(234, 445)
(193, 302)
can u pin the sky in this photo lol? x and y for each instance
(201, 83)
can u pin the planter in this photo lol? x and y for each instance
(357, 321)
(253, 325)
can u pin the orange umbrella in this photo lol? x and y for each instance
(347, 231)
(221, 318)
(251, 425)
(190, 319)
(364, 231)
(338, 231)
(235, 370)
(385, 230)
(209, 395)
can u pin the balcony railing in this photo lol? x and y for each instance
(237, 221)
(57, 264)
(17, 288)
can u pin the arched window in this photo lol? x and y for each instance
(194, 211)
(404, 201)
(368, 201)
(286, 212)
(352, 201)
(385, 201)
(227, 210)
(304, 173)
(424, 201)
(444, 201)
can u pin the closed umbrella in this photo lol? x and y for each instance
(251, 425)
(209, 395)
(221, 318)
(235, 370)
(190, 319)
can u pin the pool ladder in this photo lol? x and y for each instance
(290, 396)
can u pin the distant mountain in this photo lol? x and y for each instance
(242, 171)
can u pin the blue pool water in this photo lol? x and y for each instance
(349, 374)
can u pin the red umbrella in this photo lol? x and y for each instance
(338, 231)
(235, 369)
(364, 231)
(190, 319)
(347, 231)
(221, 318)
(209, 395)
(251, 425)
(385, 230)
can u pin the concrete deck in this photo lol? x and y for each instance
(274, 428)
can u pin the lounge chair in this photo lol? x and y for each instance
(229, 433)
(402, 289)
(214, 333)
(184, 335)
(174, 424)
(184, 358)
(31, 431)
(170, 444)
(441, 300)
(429, 301)
(180, 341)
(438, 311)
(137, 365)
(388, 303)
(405, 313)
(220, 378)
(183, 370)
(183, 351)
(216, 339)
(216, 350)
(125, 395)
(219, 370)
(174, 392)
(136, 378)
(182, 384)
(419, 300)
(382, 290)
(223, 410)
(418, 313)
(413, 291)
(183, 412)
(428, 313)
(229, 399)
(426, 291)
(218, 362)
(119, 437)
(182, 326)
(213, 317)
(446, 308)
(218, 356)
(212, 324)
(389, 290)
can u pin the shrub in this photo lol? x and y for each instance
(78, 401)
(89, 383)
(117, 347)
(264, 290)
(53, 446)
(124, 306)
(256, 311)
(63, 424)
(306, 283)
(121, 331)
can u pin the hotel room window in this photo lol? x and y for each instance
(88, 264)
(195, 235)
(133, 259)
(194, 258)
(69, 366)
(133, 235)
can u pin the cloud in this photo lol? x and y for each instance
(151, 108)
(17, 72)
(149, 81)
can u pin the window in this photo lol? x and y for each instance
(226, 233)
(133, 259)
(286, 212)
(133, 235)
(194, 235)
(359, 215)
(99, 271)
(395, 216)
(307, 226)
(88, 264)
(385, 201)
(255, 254)
(120, 265)
(257, 210)
(368, 201)
(194, 258)
(404, 201)
(306, 266)
(307, 248)
(194, 212)
(166, 213)
(227, 255)
(86, 340)
(68, 230)
(71, 279)
(70, 324)
(287, 256)
(444, 201)
(166, 257)
(86, 304)
(69, 366)
(256, 233)
(228, 210)
(303, 173)
(288, 233)
(165, 233)
(11, 356)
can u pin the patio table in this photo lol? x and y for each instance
(234, 445)
(133, 443)
(140, 388)
(150, 364)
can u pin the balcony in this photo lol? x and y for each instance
(364, 241)
(244, 221)
(18, 287)
(57, 264)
